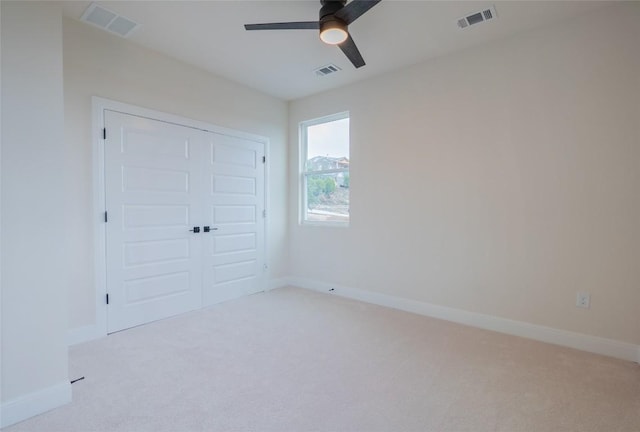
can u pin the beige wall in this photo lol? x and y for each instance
(98, 64)
(499, 180)
(34, 374)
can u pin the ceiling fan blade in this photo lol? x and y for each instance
(355, 9)
(350, 49)
(302, 25)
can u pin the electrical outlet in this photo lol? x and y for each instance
(583, 300)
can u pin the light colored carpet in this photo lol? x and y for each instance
(295, 360)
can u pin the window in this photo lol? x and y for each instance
(324, 149)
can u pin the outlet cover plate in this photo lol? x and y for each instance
(583, 300)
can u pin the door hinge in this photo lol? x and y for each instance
(105, 217)
(264, 213)
(107, 298)
(264, 159)
(104, 133)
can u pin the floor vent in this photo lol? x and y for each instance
(478, 17)
(326, 70)
(109, 21)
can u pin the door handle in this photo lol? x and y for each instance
(207, 229)
(195, 229)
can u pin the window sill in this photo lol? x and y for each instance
(325, 224)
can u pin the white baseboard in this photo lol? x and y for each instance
(91, 332)
(30, 405)
(594, 344)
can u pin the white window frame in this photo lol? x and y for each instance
(303, 173)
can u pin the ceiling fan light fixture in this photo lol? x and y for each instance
(333, 19)
(333, 32)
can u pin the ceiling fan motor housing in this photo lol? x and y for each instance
(328, 20)
(330, 7)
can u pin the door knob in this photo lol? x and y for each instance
(195, 229)
(207, 229)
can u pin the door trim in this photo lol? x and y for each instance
(98, 107)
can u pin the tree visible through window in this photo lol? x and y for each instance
(325, 169)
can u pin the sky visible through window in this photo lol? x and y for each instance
(328, 139)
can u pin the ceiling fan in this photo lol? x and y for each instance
(335, 17)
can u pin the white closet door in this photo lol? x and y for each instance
(153, 173)
(234, 205)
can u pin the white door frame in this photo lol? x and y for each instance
(98, 106)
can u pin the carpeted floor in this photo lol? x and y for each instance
(295, 360)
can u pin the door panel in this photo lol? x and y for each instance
(158, 251)
(234, 243)
(136, 217)
(233, 252)
(154, 263)
(136, 179)
(143, 290)
(234, 185)
(161, 180)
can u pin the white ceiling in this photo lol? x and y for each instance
(392, 35)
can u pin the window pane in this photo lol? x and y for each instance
(328, 197)
(328, 145)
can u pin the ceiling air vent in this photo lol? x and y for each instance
(109, 21)
(326, 70)
(478, 17)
